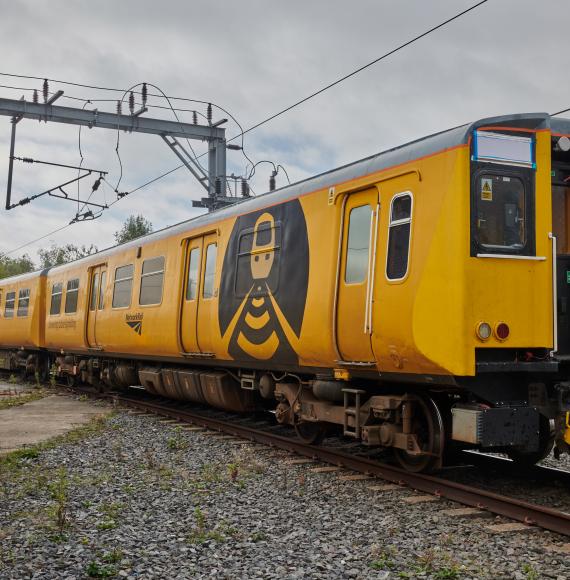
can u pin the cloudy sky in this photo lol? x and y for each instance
(254, 58)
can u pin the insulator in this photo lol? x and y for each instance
(119, 108)
(132, 102)
(45, 90)
(209, 113)
(144, 94)
(195, 117)
(218, 186)
(35, 97)
(244, 188)
(96, 184)
(272, 182)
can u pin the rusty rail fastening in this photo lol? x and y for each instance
(527, 513)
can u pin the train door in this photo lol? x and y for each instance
(561, 230)
(198, 318)
(356, 276)
(189, 317)
(208, 303)
(97, 285)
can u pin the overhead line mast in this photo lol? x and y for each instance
(213, 180)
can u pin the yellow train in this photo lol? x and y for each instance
(416, 299)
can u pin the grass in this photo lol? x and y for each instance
(178, 442)
(97, 570)
(440, 565)
(202, 532)
(20, 458)
(383, 559)
(110, 512)
(34, 395)
(59, 510)
(530, 571)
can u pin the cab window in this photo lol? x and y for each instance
(151, 281)
(56, 294)
(501, 212)
(10, 304)
(23, 302)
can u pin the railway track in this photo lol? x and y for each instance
(261, 432)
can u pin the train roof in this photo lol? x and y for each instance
(422, 147)
(22, 277)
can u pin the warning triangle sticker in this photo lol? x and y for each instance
(487, 190)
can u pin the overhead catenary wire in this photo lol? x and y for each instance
(292, 106)
(264, 121)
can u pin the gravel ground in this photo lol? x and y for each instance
(535, 488)
(141, 499)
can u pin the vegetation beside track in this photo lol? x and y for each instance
(25, 397)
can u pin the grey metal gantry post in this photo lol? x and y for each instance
(215, 180)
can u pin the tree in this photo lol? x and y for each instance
(57, 255)
(15, 266)
(135, 227)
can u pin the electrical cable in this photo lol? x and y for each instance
(35, 241)
(162, 94)
(113, 89)
(285, 172)
(360, 69)
(268, 119)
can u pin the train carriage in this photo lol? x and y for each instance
(416, 299)
(22, 318)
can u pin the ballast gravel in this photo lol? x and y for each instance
(145, 499)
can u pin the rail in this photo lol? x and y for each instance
(528, 513)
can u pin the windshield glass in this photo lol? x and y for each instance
(500, 212)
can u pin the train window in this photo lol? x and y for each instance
(94, 292)
(193, 267)
(123, 286)
(10, 304)
(258, 259)
(210, 271)
(56, 293)
(23, 302)
(500, 204)
(151, 281)
(102, 289)
(399, 237)
(71, 295)
(358, 247)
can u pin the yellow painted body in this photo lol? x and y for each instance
(23, 331)
(422, 325)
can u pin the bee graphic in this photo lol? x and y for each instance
(265, 323)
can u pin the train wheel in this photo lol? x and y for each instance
(310, 432)
(545, 445)
(427, 425)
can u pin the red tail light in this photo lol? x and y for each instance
(502, 331)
